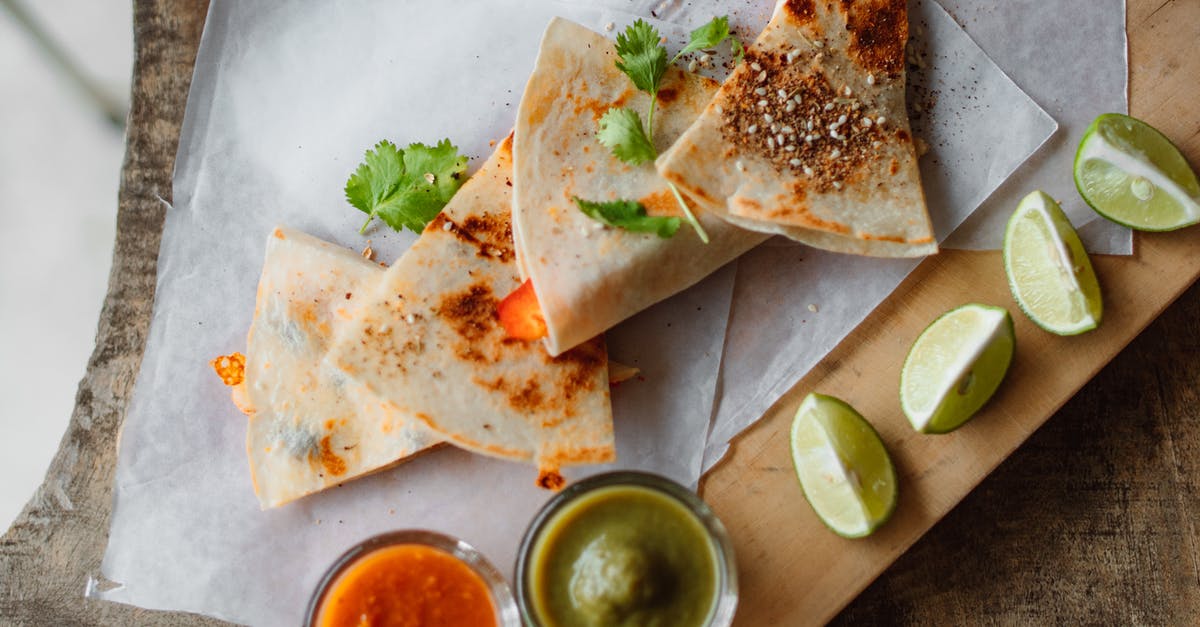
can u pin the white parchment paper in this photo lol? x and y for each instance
(1070, 57)
(285, 99)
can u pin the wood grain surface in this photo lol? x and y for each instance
(1089, 521)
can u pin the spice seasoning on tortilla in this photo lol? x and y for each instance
(408, 584)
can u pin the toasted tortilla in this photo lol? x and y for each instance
(837, 64)
(310, 427)
(428, 341)
(587, 276)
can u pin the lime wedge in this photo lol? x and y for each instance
(844, 469)
(1048, 270)
(955, 366)
(1133, 175)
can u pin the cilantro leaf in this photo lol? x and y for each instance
(739, 51)
(406, 188)
(641, 56)
(621, 132)
(629, 215)
(707, 36)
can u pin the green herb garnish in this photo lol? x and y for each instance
(406, 188)
(629, 215)
(642, 57)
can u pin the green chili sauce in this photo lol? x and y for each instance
(625, 556)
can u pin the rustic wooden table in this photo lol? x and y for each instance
(1090, 521)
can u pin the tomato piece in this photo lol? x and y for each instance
(521, 315)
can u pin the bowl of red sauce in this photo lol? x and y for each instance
(412, 577)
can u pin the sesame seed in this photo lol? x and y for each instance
(705, 59)
(719, 109)
(763, 103)
(798, 99)
(813, 308)
(809, 138)
(692, 66)
(833, 128)
(768, 117)
(835, 154)
(846, 90)
(808, 170)
(756, 67)
(447, 226)
(774, 128)
(829, 106)
(740, 166)
(791, 106)
(762, 76)
(782, 94)
(842, 119)
(837, 185)
(609, 26)
(410, 318)
(779, 139)
(761, 91)
(880, 120)
(810, 125)
(794, 163)
(753, 129)
(789, 148)
(820, 43)
(866, 122)
(876, 144)
(791, 56)
(788, 129)
(771, 142)
(430, 178)
(870, 79)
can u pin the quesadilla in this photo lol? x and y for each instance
(809, 136)
(310, 427)
(428, 342)
(588, 276)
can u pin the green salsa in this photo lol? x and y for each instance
(623, 555)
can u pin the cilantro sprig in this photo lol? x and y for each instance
(629, 215)
(406, 188)
(643, 58)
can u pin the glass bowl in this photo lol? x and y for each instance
(507, 614)
(726, 595)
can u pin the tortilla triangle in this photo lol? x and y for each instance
(309, 428)
(809, 136)
(587, 276)
(428, 342)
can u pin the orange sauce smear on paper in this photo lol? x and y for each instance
(407, 586)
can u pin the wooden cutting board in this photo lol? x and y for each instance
(792, 570)
(1091, 521)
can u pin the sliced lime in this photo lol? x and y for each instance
(955, 366)
(1133, 175)
(1048, 270)
(844, 469)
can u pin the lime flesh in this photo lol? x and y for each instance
(1133, 175)
(1048, 270)
(843, 467)
(955, 366)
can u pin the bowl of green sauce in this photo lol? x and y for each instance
(630, 549)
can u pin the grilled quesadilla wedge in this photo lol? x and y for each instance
(809, 137)
(310, 427)
(588, 276)
(429, 342)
